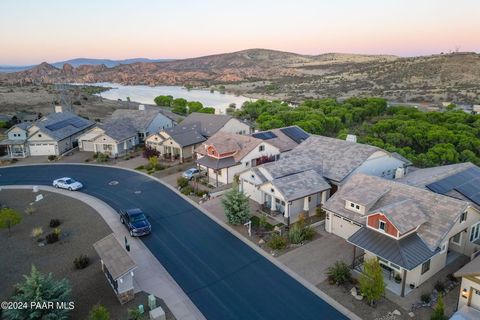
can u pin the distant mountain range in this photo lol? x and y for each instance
(288, 76)
(83, 61)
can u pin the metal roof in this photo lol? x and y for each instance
(114, 256)
(214, 163)
(408, 252)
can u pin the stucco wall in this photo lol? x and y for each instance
(236, 126)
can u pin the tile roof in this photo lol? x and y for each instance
(441, 211)
(140, 119)
(405, 215)
(301, 184)
(281, 140)
(408, 252)
(114, 256)
(225, 142)
(119, 129)
(208, 124)
(62, 125)
(423, 177)
(470, 269)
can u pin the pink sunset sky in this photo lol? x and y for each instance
(33, 31)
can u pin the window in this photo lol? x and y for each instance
(107, 147)
(425, 266)
(261, 148)
(475, 232)
(357, 207)
(381, 225)
(272, 191)
(443, 248)
(394, 266)
(457, 239)
(463, 217)
(352, 204)
(39, 135)
(252, 176)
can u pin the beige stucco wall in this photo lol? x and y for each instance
(466, 247)
(471, 284)
(236, 126)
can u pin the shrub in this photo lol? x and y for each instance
(187, 190)
(51, 237)
(57, 231)
(54, 223)
(439, 311)
(81, 262)
(308, 233)
(319, 212)
(140, 167)
(182, 182)
(100, 157)
(295, 234)
(52, 157)
(439, 286)
(277, 242)
(150, 152)
(262, 221)
(339, 273)
(37, 232)
(159, 167)
(99, 312)
(201, 193)
(425, 297)
(134, 314)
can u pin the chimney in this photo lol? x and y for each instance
(141, 107)
(351, 138)
(58, 109)
(399, 173)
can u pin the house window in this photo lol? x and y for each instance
(246, 164)
(381, 225)
(252, 176)
(107, 147)
(457, 239)
(475, 232)
(272, 191)
(352, 204)
(357, 207)
(261, 148)
(39, 135)
(443, 248)
(463, 217)
(425, 266)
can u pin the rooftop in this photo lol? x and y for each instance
(62, 125)
(114, 256)
(119, 129)
(470, 269)
(301, 184)
(225, 142)
(186, 134)
(140, 119)
(278, 139)
(208, 124)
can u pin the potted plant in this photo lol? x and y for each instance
(397, 278)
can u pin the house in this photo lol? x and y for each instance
(29, 117)
(305, 177)
(117, 266)
(412, 231)
(180, 142)
(225, 155)
(469, 296)
(53, 134)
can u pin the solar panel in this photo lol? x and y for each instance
(295, 133)
(466, 182)
(76, 122)
(476, 199)
(264, 135)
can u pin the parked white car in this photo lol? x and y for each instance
(67, 183)
(191, 173)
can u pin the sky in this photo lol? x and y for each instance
(32, 31)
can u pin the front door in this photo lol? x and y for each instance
(268, 200)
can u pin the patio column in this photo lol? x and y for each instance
(404, 280)
(306, 204)
(324, 197)
(272, 204)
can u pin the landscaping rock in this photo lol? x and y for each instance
(396, 312)
(411, 314)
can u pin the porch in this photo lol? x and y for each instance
(15, 148)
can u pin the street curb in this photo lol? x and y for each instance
(278, 264)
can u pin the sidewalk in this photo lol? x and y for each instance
(150, 275)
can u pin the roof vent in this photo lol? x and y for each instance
(58, 109)
(351, 138)
(141, 107)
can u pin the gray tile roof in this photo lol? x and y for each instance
(208, 124)
(140, 119)
(470, 269)
(406, 215)
(441, 211)
(119, 129)
(186, 134)
(408, 252)
(114, 256)
(51, 125)
(423, 177)
(301, 184)
(334, 158)
(281, 141)
(214, 163)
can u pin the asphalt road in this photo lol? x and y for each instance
(225, 278)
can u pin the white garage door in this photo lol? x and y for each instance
(475, 302)
(343, 228)
(86, 145)
(251, 191)
(42, 149)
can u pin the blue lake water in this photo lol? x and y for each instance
(146, 94)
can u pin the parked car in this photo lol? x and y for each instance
(136, 222)
(191, 173)
(67, 183)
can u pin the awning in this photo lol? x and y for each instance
(214, 163)
(12, 142)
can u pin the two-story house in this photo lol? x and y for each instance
(413, 232)
(469, 296)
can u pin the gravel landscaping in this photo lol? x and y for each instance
(80, 227)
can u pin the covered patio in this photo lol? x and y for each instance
(216, 167)
(15, 148)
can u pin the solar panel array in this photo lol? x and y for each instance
(466, 182)
(295, 133)
(264, 135)
(76, 122)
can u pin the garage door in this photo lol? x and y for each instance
(44, 149)
(475, 302)
(86, 145)
(251, 191)
(342, 227)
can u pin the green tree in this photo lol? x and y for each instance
(3, 124)
(439, 311)
(194, 106)
(41, 289)
(99, 312)
(179, 102)
(164, 101)
(210, 110)
(371, 280)
(9, 218)
(236, 206)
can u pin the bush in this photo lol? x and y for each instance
(54, 223)
(52, 237)
(277, 242)
(187, 190)
(150, 152)
(439, 311)
(201, 193)
(295, 234)
(100, 157)
(308, 233)
(81, 262)
(339, 273)
(262, 221)
(182, 182)
(425, 297)
(439, 286)
(37, 232)
(99, 312)
(134, 314)
(52, 157)
(140, 167)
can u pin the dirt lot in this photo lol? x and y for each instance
(81, 226)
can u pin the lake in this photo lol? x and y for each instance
(146, 94)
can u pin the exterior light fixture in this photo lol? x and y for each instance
(465, 293)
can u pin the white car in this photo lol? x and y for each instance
(67, 183)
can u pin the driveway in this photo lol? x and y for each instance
(224, 277)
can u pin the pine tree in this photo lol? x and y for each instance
(439, 311)
(99, 312)
(236, 206)
(41, 289)
(371, 280)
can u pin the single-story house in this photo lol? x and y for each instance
(24, 116)
(225, 155)
(322, 161)
(180, 141)
(469, 296)
(54, 134)
(413, 232)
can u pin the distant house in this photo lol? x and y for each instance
(23, 116)
(225, 155)
(413, 232)
(123, 130)
(53, 134)
(469, 296)
(5, 118)
(180, 141)
(305, 177)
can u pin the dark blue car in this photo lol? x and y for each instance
(136, 222)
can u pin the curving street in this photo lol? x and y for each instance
(224, 277)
